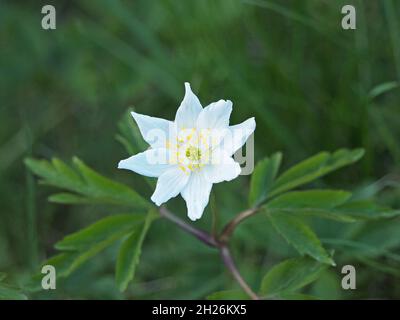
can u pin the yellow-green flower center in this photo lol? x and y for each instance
(193, 153)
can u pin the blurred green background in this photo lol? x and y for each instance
(310, 84)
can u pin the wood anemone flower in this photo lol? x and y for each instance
(192, 153)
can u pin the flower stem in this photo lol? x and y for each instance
(231, 226)
(210, 240)
(199, 234)
(230, 264)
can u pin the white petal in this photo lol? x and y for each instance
(215, 116)
(169, 184)
(189, 109)
(150, 163)
(222, 168)
(196, 194)
(155, 131)
(237, 136)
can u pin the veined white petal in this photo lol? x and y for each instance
(150, 163)
(237, 136)
(215, 116)
(169, 185)
(155, 131)
(196, 194)
(189, 109)
(222, 168)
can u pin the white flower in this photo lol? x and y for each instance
(191, 153)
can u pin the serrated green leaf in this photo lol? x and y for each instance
(318, 203)
(300, 236)
(330, 214)
(69, 198)
(86, 183)
(54, 175)
(68, 261)
(313, 168)
(103, 188)
(228, 295)
(74, 259)
(376, 247)
(64, 263)
(290, 275)
(109, 227)
(2, 276)
(326, 199)
(329, 204)
(86, 243)
(367, 210)
(129, 254)
(66, 171)
(262, 178)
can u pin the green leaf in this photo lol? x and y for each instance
(71, 260)
(318, 203)
(300, 236)
(382, 235)
(325, 199)
(70, 198)
(130, 136)
(66, 171)
(129, 254)
(103, 188)
(9, 293)
(131, 139)
(382, 88)
(89, 186)
(367, 210)
(290, 275)
(330, 214)
(228, 295)
(67, 262)
(109, 227)
(313, 168)
(371, 248)
(262, 178)
(86, 243)
(55, 175)
(328, 285)
(329, 204)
